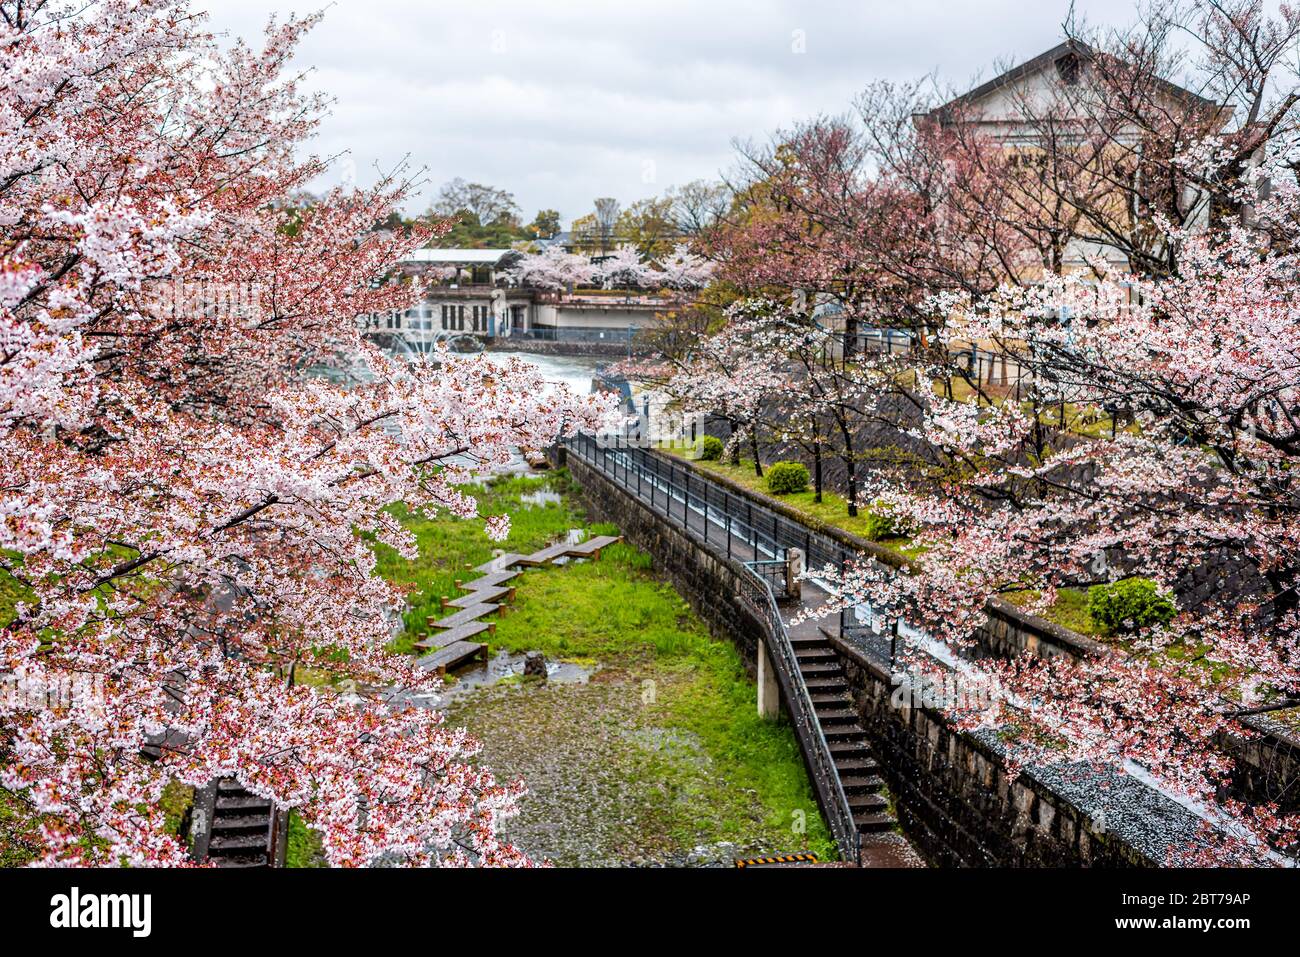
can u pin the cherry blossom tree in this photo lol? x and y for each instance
(1206, 361)
(188, 516)
(554, 269)
(623, 269)
(681, 270)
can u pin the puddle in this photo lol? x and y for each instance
(575, 536)
(505, 666)
(541, 498)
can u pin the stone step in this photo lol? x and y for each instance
(235, 843)
(860, 764)
(870, 823)
(458, 634)
(240, 823)
(230, 786)
(867, 803)
(465, 615)
(829, 699)
(820, 669)
(855, 748)
(834, 713)
(817, 653)
(860, 782)
(838, 732)
(246, 803)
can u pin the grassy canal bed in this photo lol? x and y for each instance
(651, 751)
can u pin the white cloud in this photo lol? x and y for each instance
(561, 101)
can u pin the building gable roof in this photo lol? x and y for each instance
(1046, 60)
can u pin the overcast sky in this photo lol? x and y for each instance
(561, 101)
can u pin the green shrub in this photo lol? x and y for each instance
(783, 478)
(1129, 604)
(711, 448)
(880, 524)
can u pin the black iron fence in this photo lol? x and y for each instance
(776, 575)
(743, 529)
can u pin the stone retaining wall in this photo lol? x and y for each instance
(956, 801)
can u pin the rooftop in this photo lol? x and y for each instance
(457, 257)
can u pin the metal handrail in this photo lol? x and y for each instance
(803, 715)
(629, 467)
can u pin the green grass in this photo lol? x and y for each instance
(832, 511)
(304, 845)
(615, 611)
(1070, 610)
(716, 770)
(450, 546)
(19, 841)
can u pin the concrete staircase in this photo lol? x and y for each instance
(828, 689)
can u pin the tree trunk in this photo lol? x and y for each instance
(753, 444)
(817, 472)
(735, 446)
(850, 465)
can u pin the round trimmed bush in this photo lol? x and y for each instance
(1129, 604)
(880, 524)
(711, 448)
(783, 478)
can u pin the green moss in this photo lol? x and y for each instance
(1069, 610)
(177, 799)
(304, 847)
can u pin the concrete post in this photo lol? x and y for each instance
(769, 690)
(794, 568)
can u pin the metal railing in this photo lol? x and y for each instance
(775, 573)
(756, 539)
(743, 529)
(756, 594)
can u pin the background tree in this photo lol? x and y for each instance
(546, 224)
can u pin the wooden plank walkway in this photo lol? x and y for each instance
(465, 615)
(453, 635)
(490, 580)
(482, 596)
(454, 654)
(452, 645)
